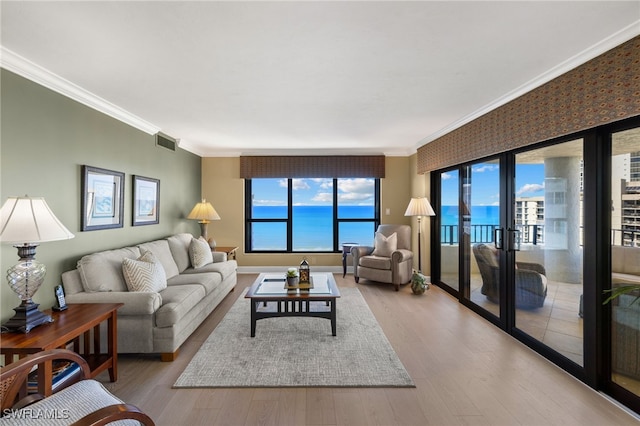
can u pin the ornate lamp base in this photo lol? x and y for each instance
(27, 316)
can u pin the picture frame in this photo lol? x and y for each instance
(102, 199)
(146, 201)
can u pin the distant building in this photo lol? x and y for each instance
(530, 219)
(625, 199)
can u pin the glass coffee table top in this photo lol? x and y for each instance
(274, 284)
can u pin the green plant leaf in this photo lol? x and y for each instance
(618, 291)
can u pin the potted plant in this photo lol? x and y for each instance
(624, 289)
(292, 277)
(419, 283)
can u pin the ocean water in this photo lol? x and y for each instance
(312, 227)
(480, 215)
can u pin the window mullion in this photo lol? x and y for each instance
(289, 215)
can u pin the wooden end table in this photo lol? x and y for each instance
(230, 251)
(67, 327)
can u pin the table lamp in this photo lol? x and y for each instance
(419, 207)
(204, 213)
(26, 222)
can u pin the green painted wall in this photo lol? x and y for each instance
(45, 138)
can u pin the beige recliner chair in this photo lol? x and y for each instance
(389, 261)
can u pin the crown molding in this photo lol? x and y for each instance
(581, 58)
(27, 69)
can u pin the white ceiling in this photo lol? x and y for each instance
(231, 78)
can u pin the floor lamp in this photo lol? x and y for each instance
(419, 207)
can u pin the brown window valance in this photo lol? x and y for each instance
(329, 166)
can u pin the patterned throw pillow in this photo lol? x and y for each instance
(200, 253)
(384, 246)
(144, 274)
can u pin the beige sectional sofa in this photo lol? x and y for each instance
(154, 321)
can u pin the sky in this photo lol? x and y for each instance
(309, 192)
(485, 179)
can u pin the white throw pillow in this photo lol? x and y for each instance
(144, 274)
(384, 246)
(200, 253)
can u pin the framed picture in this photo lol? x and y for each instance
(146, 201)
(102, 194)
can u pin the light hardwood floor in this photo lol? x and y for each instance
(466, 371)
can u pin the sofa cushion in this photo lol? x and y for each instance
(102, 271)
(225, 269)
(144, 274)
(376, 262)
(208, 280)
(200, 253)
(179, 246)
(384, 246)
(160, 249)
(177, 301)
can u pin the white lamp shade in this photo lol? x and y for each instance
(203, 211)
(30, 220)
(419, 207)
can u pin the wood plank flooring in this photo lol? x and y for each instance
(466, 371)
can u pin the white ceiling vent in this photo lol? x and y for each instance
(166, 141)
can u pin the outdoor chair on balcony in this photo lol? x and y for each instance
(389, 261)
(531, 282)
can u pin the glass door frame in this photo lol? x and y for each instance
(596, 371)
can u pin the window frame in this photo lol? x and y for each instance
(249, 220)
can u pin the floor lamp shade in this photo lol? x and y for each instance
(419, 207)
(26, 222)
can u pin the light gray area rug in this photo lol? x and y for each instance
(297, 352)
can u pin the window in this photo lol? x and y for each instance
(310, 214)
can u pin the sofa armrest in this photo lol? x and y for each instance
(401, 255)
(357, 252)
(219, 256)
(530, 266)
(135, 303)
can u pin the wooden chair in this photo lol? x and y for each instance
(83, 402)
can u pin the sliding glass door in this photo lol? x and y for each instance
(625, 259)
(549, 247)
(540, 237)
(482, 235)
(449, 229)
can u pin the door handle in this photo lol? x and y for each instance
(514, 239)
(498, 238)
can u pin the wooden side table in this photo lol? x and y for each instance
(230, 251)
(67, 327)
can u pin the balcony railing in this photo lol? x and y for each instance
(529, 234)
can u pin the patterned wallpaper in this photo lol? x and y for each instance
(601, 91)
(348, 166)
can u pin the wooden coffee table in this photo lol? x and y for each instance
(67, 327)
(271, 288)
